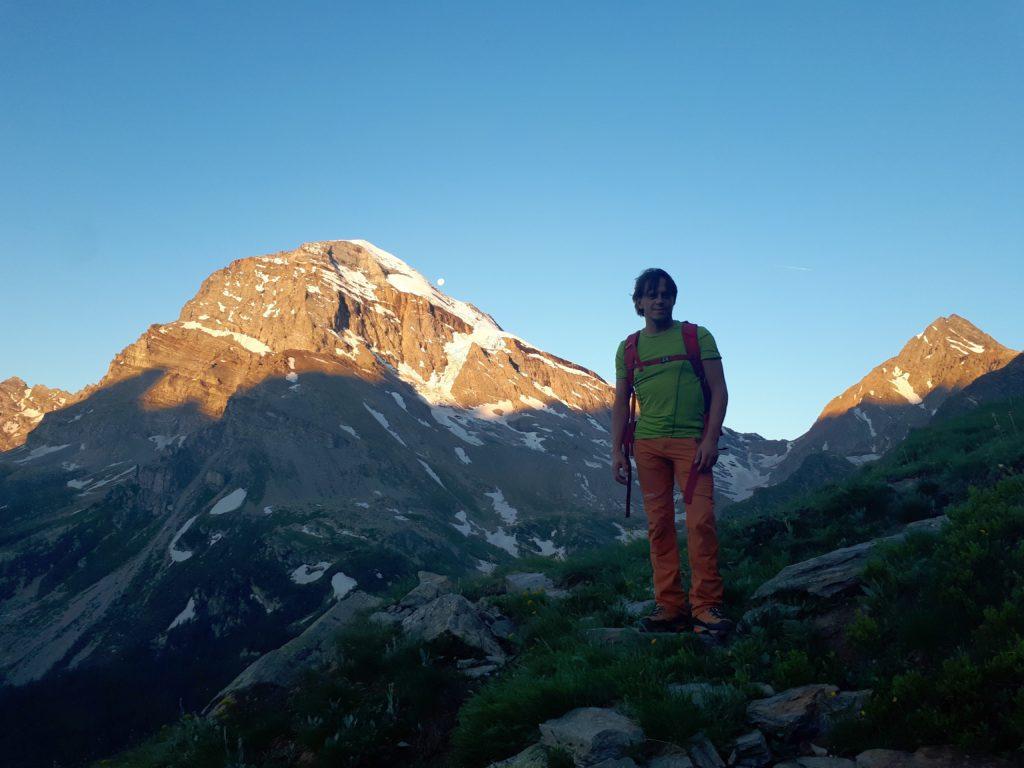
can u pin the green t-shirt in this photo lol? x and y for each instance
(669, 396)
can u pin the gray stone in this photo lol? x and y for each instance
(762, 614)
(817, 762)
(750, 751)
(534, 756)
(703, 752)
(314, 646)
(592, 734)
(793, 714)
(533, 583)
(453, 615)
(387, 617)
(680, 760)
(639, 608)
(431, 587)
(620, 762)
(837, 573)
(846, 705)
(503, 628)
(928, 757)
(482, 671)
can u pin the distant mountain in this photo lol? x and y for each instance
(903, 392)
(22, 408)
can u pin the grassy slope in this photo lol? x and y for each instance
(939, 635)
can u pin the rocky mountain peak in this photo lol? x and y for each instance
(22, 407)
(945, 357)
(346, 307)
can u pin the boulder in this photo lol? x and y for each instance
(703, 752)
(769, 611)
(835, 574)
(313, 647)
(928, 757)
(529, 583)
(638, 608)
(453, 616)
(534, 756)
(844, 705)
(431, 587)
(671, 760)
(794, 714)
(591, 734)
(817, 762)
(750, 751)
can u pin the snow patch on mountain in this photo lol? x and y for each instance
(41, 451)
(503, 540)
(229, 503)
(342, 585)
(547, 548)
(187, 614)
(901, 383)
(180, 555)
(507, 512)
(431, 472)
(247, 342)
(382, 420)
(866, 419)
(307, 574)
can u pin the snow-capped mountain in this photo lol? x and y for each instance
(313, 420)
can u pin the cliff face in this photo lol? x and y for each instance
(355, 309)
(22, 408)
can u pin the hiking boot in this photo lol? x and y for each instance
(665, 620)
(712, 621)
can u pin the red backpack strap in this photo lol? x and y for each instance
(632, 357)
(693, 355)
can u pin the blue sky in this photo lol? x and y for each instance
(823, 179)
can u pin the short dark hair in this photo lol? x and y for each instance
(650, 278)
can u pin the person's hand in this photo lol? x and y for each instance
(619, 467)
(706, 455)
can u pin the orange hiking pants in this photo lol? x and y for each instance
(659, 460)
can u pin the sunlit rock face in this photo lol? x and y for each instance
(903, 392)
(349, 308)
(22, 408)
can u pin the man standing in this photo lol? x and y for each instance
(671, 442)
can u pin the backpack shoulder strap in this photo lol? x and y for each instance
(632, 357)
(693, 355)
(690, 341)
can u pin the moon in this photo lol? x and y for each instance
(440, 281)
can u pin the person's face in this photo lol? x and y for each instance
(657, 301)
